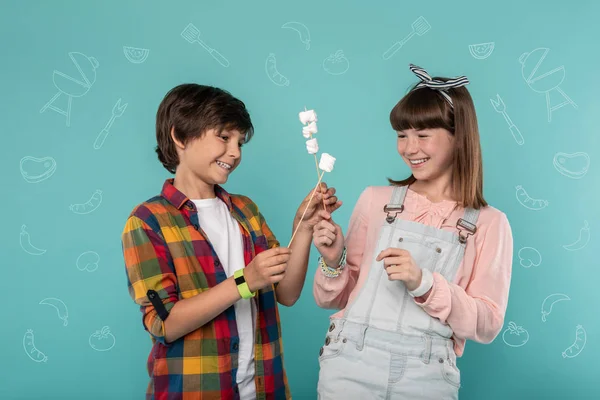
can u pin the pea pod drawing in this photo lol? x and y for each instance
(29, 346)
(302, 31)
(529, 202)
(577, 347)
(274, 75)
(60, 307)
(549, 302)
(91, 205)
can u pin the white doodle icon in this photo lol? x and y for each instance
(36, 170)
(91, 205)
(528, 202)
(102, 340)
(529, 257)
(302, 31)
(572, 165)
(73, 87)
(192, 35)
(25, 242)
(135, 55)
(336, 63)
(481, 51)
(88, 261)
(60, 307)
(419, 27)
(274, 75)
(582, 240)
(29, 346)
(577, 347)
(548, 82)
(117, 111)
(500, 107)
(549, 302)
(514, 335)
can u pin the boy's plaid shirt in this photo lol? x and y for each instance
(166, 251)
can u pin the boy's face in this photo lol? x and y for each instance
(212, 157)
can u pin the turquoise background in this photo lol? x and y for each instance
(276, 172)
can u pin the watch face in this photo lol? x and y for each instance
(240, 280)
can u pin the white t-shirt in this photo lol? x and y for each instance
(224, 234)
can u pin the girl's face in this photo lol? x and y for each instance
(429, 153)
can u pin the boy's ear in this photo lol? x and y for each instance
(177, 142)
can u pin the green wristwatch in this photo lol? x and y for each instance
(242, 285)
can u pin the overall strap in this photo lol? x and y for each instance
(396, 204)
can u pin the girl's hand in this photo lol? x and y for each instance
(400, 266)
(328, 239)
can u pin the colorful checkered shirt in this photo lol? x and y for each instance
(165, 250)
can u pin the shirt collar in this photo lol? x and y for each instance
(179, 199)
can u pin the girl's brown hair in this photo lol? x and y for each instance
(425, 108)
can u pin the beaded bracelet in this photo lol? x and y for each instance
(333, 272)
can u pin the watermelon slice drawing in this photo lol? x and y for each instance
(135, 55)
(481, 51)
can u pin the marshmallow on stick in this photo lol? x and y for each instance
(326, 164)
(310, 117)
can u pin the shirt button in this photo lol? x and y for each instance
(235, 346)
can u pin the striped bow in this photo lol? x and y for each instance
(436, 84)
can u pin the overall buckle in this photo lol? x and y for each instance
(467, 226)
(388, 209)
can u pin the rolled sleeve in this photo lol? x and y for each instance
(148, 269)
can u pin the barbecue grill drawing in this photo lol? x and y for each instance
(548, 82)
(73, 87)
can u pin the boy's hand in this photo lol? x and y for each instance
(267, 268)
(311, 217)
(328, 239)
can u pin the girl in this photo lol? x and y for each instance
(425, 265)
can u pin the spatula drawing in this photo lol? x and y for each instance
(419, 27)
(192, 34)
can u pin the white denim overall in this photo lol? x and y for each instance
(386, 346)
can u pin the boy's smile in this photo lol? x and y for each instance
(208, 161)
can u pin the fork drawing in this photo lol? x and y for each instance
(500, 107)
(117, 111)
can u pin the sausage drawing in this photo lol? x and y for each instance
(92, 204)
(580, 339)
(31, 350)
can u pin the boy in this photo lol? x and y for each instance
(203, 264)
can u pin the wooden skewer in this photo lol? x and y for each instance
(306, 209)
(317, 165)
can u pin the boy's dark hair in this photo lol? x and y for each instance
(191, 109)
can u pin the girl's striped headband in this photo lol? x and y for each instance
(436, 84)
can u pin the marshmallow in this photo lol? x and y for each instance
(308, 116)
(312, 146)
(309, 129)
(326, 162)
